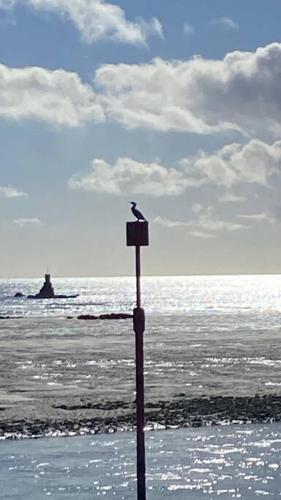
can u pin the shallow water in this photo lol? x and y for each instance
(219, 462)
(204, 336)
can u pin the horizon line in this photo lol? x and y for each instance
(143, 276)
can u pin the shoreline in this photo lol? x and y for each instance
(119, 416)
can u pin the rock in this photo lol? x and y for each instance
(19, 294)
(116, 316)
(105, 316)
(38, 296)
(87, 316)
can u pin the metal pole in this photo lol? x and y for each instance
(139, 327)
(138, 275)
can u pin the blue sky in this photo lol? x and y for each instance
(174, 104)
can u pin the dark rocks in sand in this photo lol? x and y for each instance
(105, 316)
(91, 417)
(101, 405)
(82, 316)
(87, 316)
(19, 294)
(116, 316)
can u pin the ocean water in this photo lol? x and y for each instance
(192, 295)
(204, 336)
(224, 463)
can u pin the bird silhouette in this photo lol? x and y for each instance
(136, 212)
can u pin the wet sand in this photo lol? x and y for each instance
(61, 377)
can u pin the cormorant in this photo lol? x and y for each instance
(136, 212)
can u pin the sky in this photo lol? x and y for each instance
(173, 104)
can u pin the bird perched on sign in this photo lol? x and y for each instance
(136, 212)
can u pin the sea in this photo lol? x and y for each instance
(221, 463)
(206, 337)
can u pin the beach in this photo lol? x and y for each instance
(212, 355)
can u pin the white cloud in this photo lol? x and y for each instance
(260, 217)
(240, 92)
(230, 198)
(226, 22)
(128, 176)
(165, 222)
(254, 162)
(58, 97)
(205, 225)
(207, 221)
(10, 192)
(188, 29)
(22, 221)
(201, 234)
(97, 19)
(149, 96)
(235, 164)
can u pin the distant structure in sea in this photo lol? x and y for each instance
(47, 291)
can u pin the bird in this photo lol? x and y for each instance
(136, 212)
